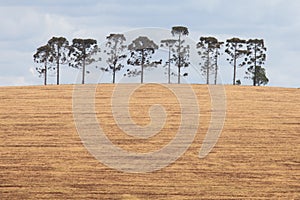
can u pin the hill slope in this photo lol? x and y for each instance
(256, 156)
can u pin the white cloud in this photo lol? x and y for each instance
(13, 81)
(18, 23)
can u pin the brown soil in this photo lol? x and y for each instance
(256, 157)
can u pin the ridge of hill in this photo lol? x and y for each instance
(256, 156)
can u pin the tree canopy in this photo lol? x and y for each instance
(43, 55)
(81, 52)
(115, 50)
(209, 51)
(169, 43)
(235, 48)
(59, 53)
(256, 57)
(141, 51)
(182, 51)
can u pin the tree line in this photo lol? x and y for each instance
(138, 54)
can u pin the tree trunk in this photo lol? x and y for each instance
(57, 66)
(179, 59)
(114, 67)
(83, 71)
(179, 73)
(169, 68)
(114, 74)
(142, 65)
(234, 65)
(255, 68)
(45, 74)
(207, 68)
(216, 67)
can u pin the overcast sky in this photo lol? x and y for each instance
(26, 25)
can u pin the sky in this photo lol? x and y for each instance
(27, 25)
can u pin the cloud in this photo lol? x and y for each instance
(13, 80)
(19, 23)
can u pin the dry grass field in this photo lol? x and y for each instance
(256, 157)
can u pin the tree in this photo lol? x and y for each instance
(182, 52)
(81, 52)
(209, 51)
(217, 53)
(256, 58)
(42, 55)
(59, 51)
(235, 48)
(169, 43)
(115, 43)
(260, 77)
(141, 50)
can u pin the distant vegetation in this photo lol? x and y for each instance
(83, 52)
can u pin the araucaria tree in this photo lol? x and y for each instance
(209, 52)
(217, 53)
(261, 77)
(256, 59)
(81, 53)
(115, 52)
(236, 49)
(43, 56)
(169, 43)
(142, 48)
(182, 51)
(59, 52)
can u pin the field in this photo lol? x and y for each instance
(257, 155)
